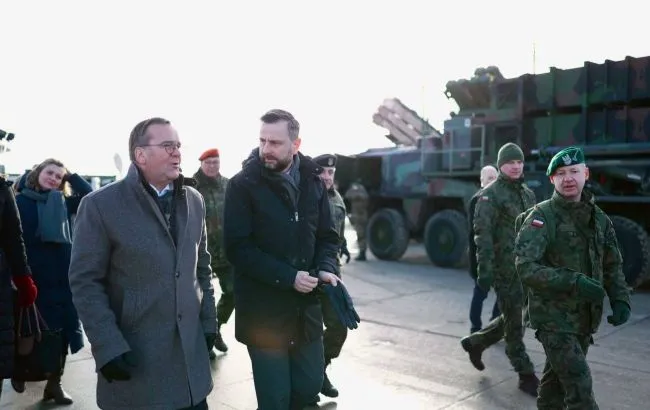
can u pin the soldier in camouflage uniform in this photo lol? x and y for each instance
(335, 333)
(567, 257)
(358, 197)
(212, 186)
(494, 225)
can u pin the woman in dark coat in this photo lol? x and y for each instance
(46, 208)
(13, 261)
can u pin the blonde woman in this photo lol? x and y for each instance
(46, 203)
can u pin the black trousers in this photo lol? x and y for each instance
(226, 304)
(287, 379)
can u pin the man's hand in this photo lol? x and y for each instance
(119, 369)
(484, 282)
(484, 277)
(328, 277)
(304, 283)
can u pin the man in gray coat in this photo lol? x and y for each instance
(140, 277)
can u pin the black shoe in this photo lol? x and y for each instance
(315, 401)
(361, 257)
(54, 391)
(529, 383)
(328, 389)
(219, 343)
(18, 385)
(212, 354)
(475, 353)
(474, 330)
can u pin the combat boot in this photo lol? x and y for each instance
(528, 383)
(475, 353)
(219, 343)
(361, 257)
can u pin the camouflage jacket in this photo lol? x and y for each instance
(584, 242)
(494, 226)
(214, 195)
(337, 207)
(358, 197)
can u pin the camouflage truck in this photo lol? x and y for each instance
(420, 188)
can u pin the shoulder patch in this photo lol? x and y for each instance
(484, 198)
(537, 223)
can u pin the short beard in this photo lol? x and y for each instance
(279, 166)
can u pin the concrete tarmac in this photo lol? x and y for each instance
(406, 353)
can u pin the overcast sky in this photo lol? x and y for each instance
(76, 76)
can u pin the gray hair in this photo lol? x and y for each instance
(139, 137)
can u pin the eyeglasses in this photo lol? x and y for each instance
(169, 147)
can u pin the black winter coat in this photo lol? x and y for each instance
(13, 261)
(473, 263)
(50, 262)
(268, 238)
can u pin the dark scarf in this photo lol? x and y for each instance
(290, 180)
(53, 222)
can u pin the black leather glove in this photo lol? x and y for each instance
(342, 305)
(353, 316)
(210, 340)
(119, 369)
(343, 251)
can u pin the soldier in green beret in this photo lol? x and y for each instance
(567, 256)
(497, 207)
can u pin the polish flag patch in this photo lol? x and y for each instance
(537, 223)
(485, 198)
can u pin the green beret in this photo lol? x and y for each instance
(566, 157)
(326, 160)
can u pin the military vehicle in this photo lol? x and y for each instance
(420, 188)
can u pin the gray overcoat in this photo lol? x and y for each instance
(137, 291)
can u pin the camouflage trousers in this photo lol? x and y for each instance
(508, 325)
(360, 225)
(566, 382)
(226, 304)
(335, 332)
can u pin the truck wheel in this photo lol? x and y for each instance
(634, 244)
(387, 235)
(445, 238)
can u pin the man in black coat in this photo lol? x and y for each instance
(13, 265)
(280, 237)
